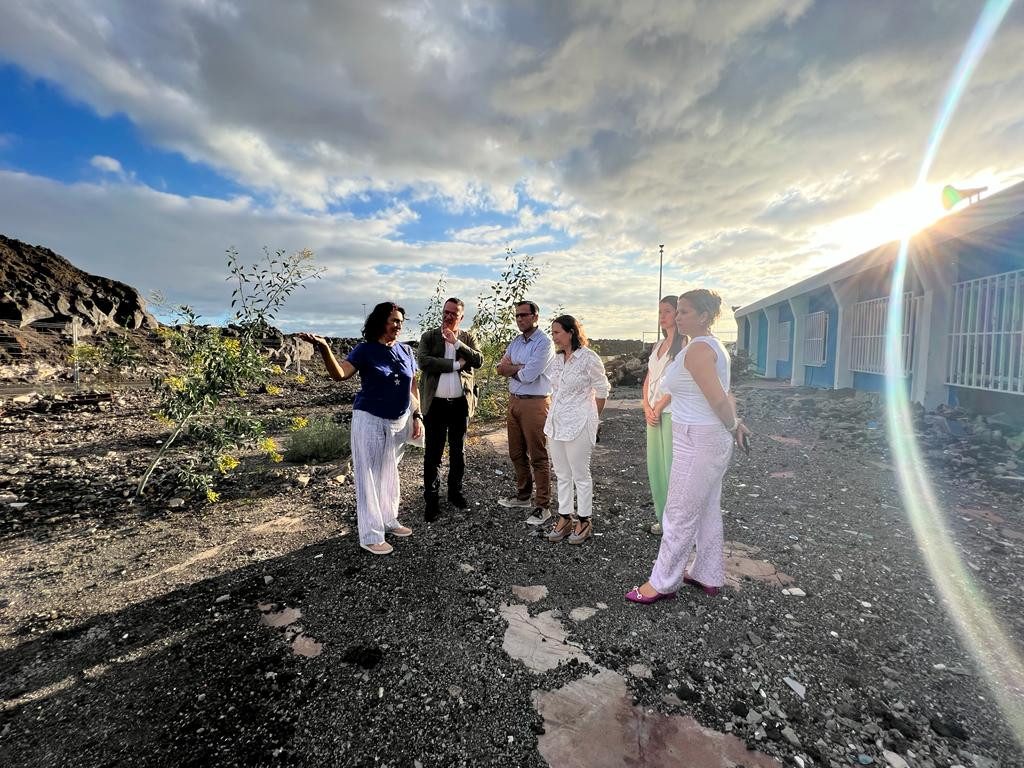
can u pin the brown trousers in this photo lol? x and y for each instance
(527, 448)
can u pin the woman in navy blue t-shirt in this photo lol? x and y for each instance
(385, 414)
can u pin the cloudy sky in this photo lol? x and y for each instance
(760, 140)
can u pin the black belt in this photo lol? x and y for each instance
(529, 397)
(450, 399)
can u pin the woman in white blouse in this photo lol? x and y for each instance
(656, 411)
(579, 390)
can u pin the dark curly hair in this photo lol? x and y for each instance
(377, 320)
(573, 327)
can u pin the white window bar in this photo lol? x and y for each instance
(815, 334)
(782, 342)
(986, 339)
(867, 353)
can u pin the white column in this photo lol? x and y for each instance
(845, 293)
(931, 343)
(739, 332)
(770, 363)
(800, 306)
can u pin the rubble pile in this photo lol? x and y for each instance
(629, 369)
(974, 448)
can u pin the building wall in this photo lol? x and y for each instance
(823, 377)
(875, 382)
(990, 251)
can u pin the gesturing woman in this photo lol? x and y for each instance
(704, 426)
(385, 413)
(579, 390)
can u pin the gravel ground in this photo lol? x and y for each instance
(255, 632)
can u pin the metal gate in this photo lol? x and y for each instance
(986, 340)
(867, 352)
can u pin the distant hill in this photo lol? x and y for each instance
(37, 284)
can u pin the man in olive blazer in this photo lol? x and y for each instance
(447, 357)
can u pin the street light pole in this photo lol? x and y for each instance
(661, 261)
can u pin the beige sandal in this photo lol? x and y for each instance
(561, 529)
(380, 548)
(584, 530)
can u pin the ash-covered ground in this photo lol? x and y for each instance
(254, 631)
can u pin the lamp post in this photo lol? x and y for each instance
(661, 261)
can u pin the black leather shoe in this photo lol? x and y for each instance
(456, 499)
(431, 510)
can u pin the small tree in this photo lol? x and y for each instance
(214, 366)
(495, 325)
(431, 315)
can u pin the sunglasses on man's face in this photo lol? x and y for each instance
(523, 314)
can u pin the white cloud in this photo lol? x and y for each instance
(734, 133)
(107, 165)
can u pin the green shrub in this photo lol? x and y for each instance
(320, 440)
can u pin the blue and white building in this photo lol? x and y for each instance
(963, 312)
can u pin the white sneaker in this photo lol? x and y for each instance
(512, 502)
(539, 517)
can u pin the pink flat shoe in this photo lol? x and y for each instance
(634, 596)
(709, 591)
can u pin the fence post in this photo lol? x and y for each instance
(298, 365)
(74, 351)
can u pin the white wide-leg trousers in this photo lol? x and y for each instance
(571, 459)
(693, 509)
(377, 447)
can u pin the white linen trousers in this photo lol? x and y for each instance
(572, 467)
(377, 447)
(693, 510)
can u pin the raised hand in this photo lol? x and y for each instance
(312, 338)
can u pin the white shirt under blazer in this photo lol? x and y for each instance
(689, 406)
(575, 386)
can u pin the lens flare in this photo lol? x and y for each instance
(993, 650)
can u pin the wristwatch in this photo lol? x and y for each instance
(417, 415)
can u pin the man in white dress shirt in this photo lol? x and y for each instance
(447, 357)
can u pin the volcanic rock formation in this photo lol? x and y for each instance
(38, 284)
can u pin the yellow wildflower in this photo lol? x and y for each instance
(299, 422)
(276, 370)
(225, 463)
(300, 379)
(212, 496)
(275, 457)
(175, 382)
(268, 444)
(272, 390)
(232, 345)
(164, 419)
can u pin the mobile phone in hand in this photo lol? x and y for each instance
(745, 442)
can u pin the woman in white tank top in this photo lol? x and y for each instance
(704, 427)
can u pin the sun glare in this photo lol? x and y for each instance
(897, 216)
